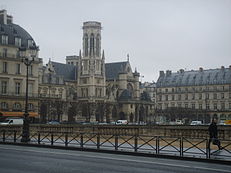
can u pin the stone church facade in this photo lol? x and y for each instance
(88, 89)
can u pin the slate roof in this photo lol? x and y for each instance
(191, 78)
(69, 72)
(13, 30)
(113, 69)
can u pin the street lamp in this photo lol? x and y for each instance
(27, 60)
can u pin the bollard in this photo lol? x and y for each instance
(81, 140)
(181, 147)
(52, 138)
(39, 137)
(157, 145)
(4, 135)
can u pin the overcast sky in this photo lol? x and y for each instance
(157, 34)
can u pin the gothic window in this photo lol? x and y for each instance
(92, 44)
(86, 45)
(98, 45)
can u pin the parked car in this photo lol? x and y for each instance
(121, 122)
(53, 122)
(10, 121)
(196, 123)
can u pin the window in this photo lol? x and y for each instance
(98, 45)
(30, 43)
(4, 67)
(92, 44)
(4, 106)
(186, 105)
(86, 45)
(200, 106)
(207, 96)
(30, 107)
(17, 88)
(186, 96)
(179, 105)
(200, 96)
(17, 106)
(4, 39)
(179, 97)
(207, 106)
(4, 87)
(230, 95)
(30, 89)
(215, 96)
(229, 105)
(4, 52)
(18, 69)
(166, 90)
(30, 70)
(193, 96)
(17, 41)
(172, 89)
(215, 106)
(193, 105)
(166, 97)
(222, 95)
(173, 97)
(222, 106)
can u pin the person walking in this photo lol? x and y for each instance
(213, 137)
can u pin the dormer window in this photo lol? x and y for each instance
(4, 39)
(30, 43)
(17, 41)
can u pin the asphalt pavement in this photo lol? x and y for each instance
(23, 159)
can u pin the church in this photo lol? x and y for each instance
(86, 89)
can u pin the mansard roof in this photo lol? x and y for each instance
(112, 70)
(191, 78)
(69, 72)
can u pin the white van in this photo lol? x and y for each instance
(121, 122)
(10, 121)
(196, 123)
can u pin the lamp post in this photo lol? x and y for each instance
(27, 60)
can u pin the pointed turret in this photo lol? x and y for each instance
(103, 57)
(80, 56)
(128, 57)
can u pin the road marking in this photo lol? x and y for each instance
(117, 159)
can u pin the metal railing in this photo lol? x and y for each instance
(159, 145)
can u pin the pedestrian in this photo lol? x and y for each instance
(213, 137)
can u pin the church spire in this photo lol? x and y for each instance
(128, 57)
(80, 56)
(103, 57)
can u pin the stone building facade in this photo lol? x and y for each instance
(14, 38)
(92, 89)
(194, 95)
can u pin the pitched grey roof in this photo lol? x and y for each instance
(113, 69)
(191, 78)
(69, 72)
(13, 30)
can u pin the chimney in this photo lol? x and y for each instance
(229, 67)
(222, 67)
(9, 19)
(161, 73)
(201, 69)
(168, 73)
(181, 70)
(3, 17)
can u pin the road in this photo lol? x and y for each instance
(22, 159)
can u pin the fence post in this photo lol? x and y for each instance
(135, 143)
(98, 141)
(181, 147)
(157, 145)
(208, 148)
(52, 138)
(66, 139)
(4, 135)
(116, 142)
(15, 136)
(81, 140)
(39, 137)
